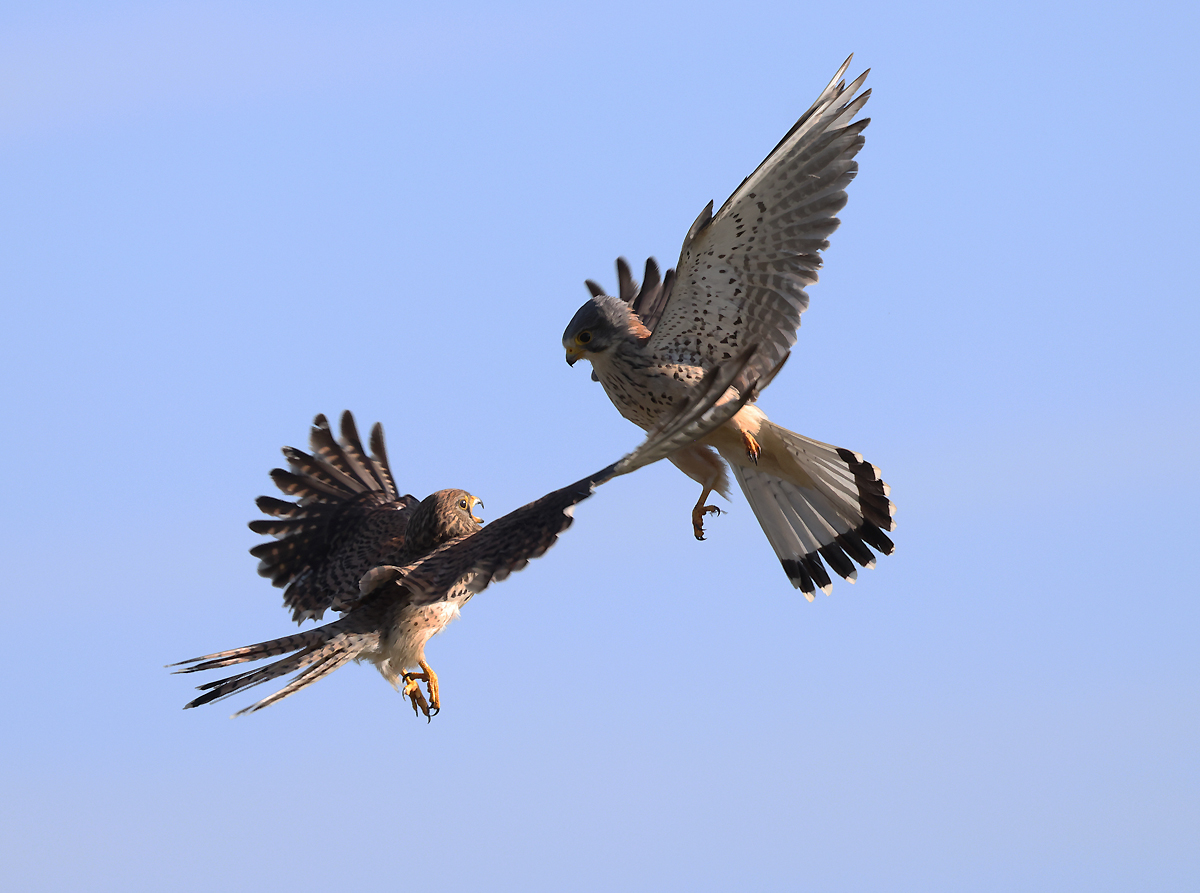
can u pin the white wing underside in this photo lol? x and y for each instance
(741, 280)
(741, 274)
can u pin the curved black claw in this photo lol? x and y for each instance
(698, 514)
(752, 446)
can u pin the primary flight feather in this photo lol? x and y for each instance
(741, 279)
(400, 570)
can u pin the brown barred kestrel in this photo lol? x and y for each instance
(400, 570)
(740, 279)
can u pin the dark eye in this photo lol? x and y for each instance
(584, 337)
(462, 503)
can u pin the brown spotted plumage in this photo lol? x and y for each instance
(348, 518)
(741, 279)
(450, 557)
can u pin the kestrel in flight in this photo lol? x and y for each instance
(400, 570)
(740, 279)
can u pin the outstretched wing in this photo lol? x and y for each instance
(742, 273)
(508, 543)
(475, 561)
(348, 519)
(647, 300)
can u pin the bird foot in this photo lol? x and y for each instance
(752, 447)
(698, 514)
(412, 691)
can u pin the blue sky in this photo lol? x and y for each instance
(220, 219)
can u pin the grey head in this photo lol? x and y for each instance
(441, 517)
(599, 324)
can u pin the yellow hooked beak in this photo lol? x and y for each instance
(574, 354)
(475, 501)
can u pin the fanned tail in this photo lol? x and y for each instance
(827, 503)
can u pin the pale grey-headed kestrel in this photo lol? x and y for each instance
(741, 279)
(399, 570)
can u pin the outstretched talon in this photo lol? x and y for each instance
(431, 680)
(752, 447)
(412, 691)
(698, 514)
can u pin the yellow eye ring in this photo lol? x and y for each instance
(583, 337)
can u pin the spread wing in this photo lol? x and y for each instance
(348, 518)
(742, 273)
(647, 300)
(474, 561)
(508, 543)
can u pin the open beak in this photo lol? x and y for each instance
(573, 355)
(478, 503)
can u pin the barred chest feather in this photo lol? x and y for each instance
(411, 627)
(641, 387)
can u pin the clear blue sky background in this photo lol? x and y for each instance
(222, 218)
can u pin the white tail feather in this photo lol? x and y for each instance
(830, 506)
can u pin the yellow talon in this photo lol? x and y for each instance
(412, 691)
(435, 702)
(752, 447)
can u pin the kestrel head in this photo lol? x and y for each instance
(441, 517)
(598, 325)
